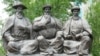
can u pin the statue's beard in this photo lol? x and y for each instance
(76, 18)
(47, 12)
(19, 15)
(75, 14)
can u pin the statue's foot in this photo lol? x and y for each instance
(81, 54)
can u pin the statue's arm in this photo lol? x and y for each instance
(39, 23)
(58, 23)
(6, 31)
(35, 25)
(8, 36)
(86, 31)
(66, 28)
(87, 28)
(29, 27)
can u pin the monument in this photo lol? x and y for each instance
(44, 36)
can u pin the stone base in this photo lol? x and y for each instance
(46, 55)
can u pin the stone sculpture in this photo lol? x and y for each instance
(77, 30)
(46, 36)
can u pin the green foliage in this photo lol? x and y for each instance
(94, 19)
(2, 52)
(34, 7)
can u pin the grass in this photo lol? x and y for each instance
(2, 52)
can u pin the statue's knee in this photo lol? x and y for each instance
(35, 43)
(10, 44)
(11, 47)
(86, 38)
(23, 52)
(26, 51)
(40, 38)
(59, 34)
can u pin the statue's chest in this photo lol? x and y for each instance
(76, 25)
(20, 23)
(48, 33)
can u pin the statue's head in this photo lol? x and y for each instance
(19, 6)
(75, 10)
(47, 8)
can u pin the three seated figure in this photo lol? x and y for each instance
(45, 34)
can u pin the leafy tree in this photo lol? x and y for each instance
(35, 7)
(94, 19)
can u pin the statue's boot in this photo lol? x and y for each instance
(85, 45)
(14, 47)
(43, 43)
(29, 47)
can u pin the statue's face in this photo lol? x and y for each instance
(19, 9)
(47, 10)
(75, 12)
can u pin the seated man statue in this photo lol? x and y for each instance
(77, 33)
(45, 27)
(16, 30)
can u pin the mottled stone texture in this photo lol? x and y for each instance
(46, 36)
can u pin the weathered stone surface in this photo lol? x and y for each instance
(45, 37)
(77, 34)
(44, 54)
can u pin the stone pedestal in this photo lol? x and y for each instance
(10, 54)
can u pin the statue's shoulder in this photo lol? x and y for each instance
(84, 20)
(69, 19)
(27, 18)
(54, 18)
(57, 20)
(11, 18)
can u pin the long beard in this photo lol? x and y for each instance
(20, 16)
(76, 18)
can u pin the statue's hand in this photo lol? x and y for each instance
(41, 26)
(59, 34)
(68, 37)
(79, 35)
(11, 38)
